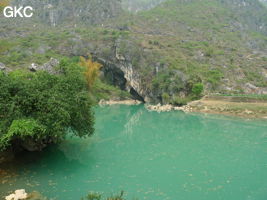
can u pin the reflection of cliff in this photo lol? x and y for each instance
(134, 119)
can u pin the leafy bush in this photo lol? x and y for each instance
(165, 98)
(179, 101)
(39, 108)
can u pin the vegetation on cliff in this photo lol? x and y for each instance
(222, 46)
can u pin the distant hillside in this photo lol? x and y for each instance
(57, 12)
(157, 54)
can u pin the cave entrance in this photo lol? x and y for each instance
(136, 96)
(115, 76)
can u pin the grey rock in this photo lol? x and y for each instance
(34, 67)
(2, 67)
(252, 89)
(49, 66)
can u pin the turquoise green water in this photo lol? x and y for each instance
(154, 156)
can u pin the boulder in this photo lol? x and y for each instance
(34, 67)
(18, 195)
(2, 67)
(49, 66)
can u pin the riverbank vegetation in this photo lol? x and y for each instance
(42, 108)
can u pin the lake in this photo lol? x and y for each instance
(150, 155)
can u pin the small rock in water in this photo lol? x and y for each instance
(18, 195)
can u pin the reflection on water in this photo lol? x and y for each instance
(150, 155)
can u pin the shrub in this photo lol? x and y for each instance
(178, 101)
(92, 70)
(165, 98)
(38, 108)
(197, 89)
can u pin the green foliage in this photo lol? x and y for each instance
(97, 196)
(214, 77)
(165, 98)
(42, 107)
(168, 34)
(23, 129)
(179, 101)
(197, 89)
(93, 196)
(105, 91)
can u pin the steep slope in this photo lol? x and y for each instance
(160, 54)
(250, 13)
(211, 41)
(69, 12)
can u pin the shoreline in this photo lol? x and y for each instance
(129, 102)
(229, 107)
(249, 110)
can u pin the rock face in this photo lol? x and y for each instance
(56, 12)
(122, 74)
(138, 5)
(18, 195)
(252, 89)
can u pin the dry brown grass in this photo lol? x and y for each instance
(241, 109)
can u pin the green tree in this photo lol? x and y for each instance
(39, 108)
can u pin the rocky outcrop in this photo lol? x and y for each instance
(139, 5)
(168, 108)
(21, 194)
(50, 66)
(122, 74)
(252, 89)
(2, 67)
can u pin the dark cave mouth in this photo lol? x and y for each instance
(136, 95)
(115, 76)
